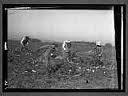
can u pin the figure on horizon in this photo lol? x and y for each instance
(66, 46)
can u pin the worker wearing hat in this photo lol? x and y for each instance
(66, 46)
(98, 50)
(24, 42)
(49, 52)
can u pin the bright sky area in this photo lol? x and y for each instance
(59, 25)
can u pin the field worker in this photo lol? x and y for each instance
(24, 42)
(98, 50)
(66, 46)
(50, 53)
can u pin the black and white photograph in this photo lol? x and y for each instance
(51, 47)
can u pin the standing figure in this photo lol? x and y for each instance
(98, 50)
(66, 46)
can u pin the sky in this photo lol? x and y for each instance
(59, 25)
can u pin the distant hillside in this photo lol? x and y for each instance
(36, 43)
(35, 40)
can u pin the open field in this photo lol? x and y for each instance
(90, 76)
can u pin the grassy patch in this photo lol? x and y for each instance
(57, 75)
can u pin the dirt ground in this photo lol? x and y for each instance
(29, 70)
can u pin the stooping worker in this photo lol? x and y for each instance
(66, 48)
(50, 53)
(44, 53)
(24, 42)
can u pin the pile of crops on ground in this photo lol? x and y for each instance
(27, 70)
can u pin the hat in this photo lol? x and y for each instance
(98, 43)
(67, 41)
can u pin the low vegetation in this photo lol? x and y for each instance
(27, 69)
